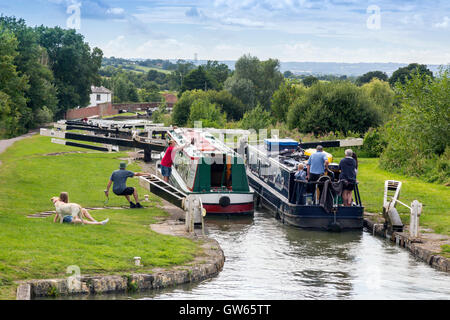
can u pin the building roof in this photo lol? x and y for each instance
(100, 90)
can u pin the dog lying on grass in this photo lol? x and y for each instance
(66, 209)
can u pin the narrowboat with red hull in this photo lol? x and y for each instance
(271, 174)
(213, 171)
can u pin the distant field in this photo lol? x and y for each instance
(138, 68)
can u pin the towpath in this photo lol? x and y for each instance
(5, 144)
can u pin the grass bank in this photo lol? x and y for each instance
(39, 249)
(435, 197)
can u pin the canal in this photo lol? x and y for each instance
(268, 260)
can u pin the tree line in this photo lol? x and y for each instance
(43, 73)
(403, 119)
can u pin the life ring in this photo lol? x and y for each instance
(224, 201)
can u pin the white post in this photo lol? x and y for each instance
(416, 209)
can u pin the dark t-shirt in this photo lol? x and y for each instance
(119, 177)
(348, 169)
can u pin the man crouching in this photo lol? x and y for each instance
(119, 180)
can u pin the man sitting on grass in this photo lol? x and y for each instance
(119, 178)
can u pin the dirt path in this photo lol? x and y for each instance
(5, 144)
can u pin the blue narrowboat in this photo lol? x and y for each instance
(317, 205)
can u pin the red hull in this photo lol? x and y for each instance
(242, 208)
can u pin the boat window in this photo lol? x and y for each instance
(218, 172)
(182, 165)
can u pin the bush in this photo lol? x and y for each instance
(383, 96)
(182, 108)
(44, 115)
(418, 137)
(161, 115)
(338, 106)
(284, 97)
(374, 143)
(208, 113)
(224, 100)
(256, 119)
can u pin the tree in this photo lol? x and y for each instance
(149, 95)
(404, 74)
(219, 72)
(75, 66)
(182, 108)
(270, 80)
(13, 104)
(309, 81)
(223, 100)
(367, 77)
(133, 95)
(418, 137)
(243, 89)
(177, 76)
(283, 98)
(198, 79)
(44, 115)
(206, 112)
(254, 81)
(288, 74)
(383, 96)
(32, 60)
(156, 76)
(227, 103)
(256, 119)
(333, 107)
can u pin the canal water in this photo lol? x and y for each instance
(268, 260)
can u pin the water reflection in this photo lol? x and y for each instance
(268, 260)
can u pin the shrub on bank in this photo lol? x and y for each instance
(418, 137)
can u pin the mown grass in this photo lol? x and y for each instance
(445, 251)
(435, 197)
(36, 248)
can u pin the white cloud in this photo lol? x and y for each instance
(115, 11)
(115, 47)
(415, 19)
(244, 22)
(442, 25)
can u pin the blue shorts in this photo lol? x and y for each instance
(166, 171)
(67, 219)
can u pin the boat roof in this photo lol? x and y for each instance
(205, 144)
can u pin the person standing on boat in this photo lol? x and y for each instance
(167, 160)
(348, 176)
(317, 164)
(315, 168)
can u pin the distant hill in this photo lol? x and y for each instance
(335, 68)
(298, 68)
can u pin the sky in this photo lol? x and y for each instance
(350, 31)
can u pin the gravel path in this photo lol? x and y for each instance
(5, 144)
